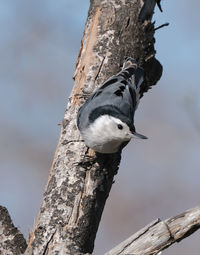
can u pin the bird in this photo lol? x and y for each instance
(106, 119)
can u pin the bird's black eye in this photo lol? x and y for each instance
(120, 126)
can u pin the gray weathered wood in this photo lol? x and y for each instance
(11, 240)
(151, 240)
(159, 235)
(80, 181)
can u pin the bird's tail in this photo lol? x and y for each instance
(131, 71)
(129, 62)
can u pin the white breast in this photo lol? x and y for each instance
(103, 135)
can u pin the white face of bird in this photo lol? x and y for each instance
(106, 134)
(110, 128)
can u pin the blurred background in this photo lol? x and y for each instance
(160, 177)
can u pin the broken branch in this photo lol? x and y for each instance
(159, 235)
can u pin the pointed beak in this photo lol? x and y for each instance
(139, 136)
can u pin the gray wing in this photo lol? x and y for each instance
(118, 91)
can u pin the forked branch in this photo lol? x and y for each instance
(152, 239)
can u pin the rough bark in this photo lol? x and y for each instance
(159, 235)
(80, 180)
(151, 240)
(11, 240)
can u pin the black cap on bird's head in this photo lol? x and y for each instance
(115, 112)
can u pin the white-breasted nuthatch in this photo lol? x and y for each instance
(106, 119)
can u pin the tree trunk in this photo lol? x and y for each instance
(80, 180)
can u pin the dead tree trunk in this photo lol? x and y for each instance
(80, 181)
(79, 185)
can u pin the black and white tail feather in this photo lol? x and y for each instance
(134, 74)
(106, 120)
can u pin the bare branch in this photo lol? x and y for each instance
(161, 26)
(159, 5)
(159, 235)
(11, 240)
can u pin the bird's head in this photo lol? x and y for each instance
(107, 133)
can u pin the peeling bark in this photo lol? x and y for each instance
(159, 235)
(80, 180)
(12, 241)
